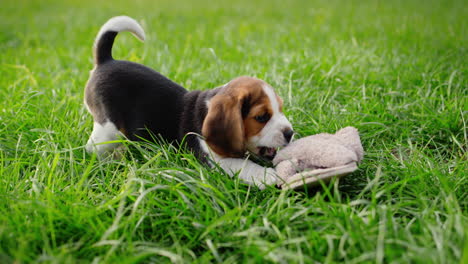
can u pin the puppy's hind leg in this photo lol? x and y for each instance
(101, 134)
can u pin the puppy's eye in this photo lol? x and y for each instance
(263, 118)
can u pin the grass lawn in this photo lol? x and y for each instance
(396, 70)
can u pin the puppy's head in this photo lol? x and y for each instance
(246, 115)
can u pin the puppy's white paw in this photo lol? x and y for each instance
(269, 177)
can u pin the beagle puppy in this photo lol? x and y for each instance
(221, 125)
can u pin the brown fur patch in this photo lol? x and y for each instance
(222, 127)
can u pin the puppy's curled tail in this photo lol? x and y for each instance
(106, 36)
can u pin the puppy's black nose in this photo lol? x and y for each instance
(288, 133)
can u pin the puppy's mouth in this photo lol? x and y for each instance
(267, 152)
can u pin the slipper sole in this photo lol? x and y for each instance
(314, 177)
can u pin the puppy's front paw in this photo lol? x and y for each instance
(269, 177)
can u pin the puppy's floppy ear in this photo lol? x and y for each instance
(223, 127)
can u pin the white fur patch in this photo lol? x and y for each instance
(101, 134)
(204, 147)
(122, 23)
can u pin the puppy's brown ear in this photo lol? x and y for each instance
(223, 127)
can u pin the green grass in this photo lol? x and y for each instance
(396, 70)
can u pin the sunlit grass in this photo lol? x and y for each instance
(396, 70)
